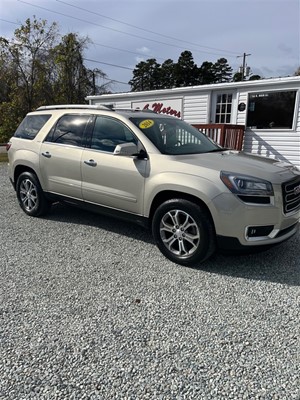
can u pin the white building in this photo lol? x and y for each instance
(268, 109)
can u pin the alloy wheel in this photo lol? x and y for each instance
(179, 232)
(28, 195)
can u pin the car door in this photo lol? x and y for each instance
(61, 154)
(112, 180)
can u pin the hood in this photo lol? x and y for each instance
(242, 163)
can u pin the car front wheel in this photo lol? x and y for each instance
(30, 195)
(183, 231)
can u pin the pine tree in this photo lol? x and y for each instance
(222, 71)
(146, 76)
(186, 71)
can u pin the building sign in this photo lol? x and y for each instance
(242, 107)
(166, 106)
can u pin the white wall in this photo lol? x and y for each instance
(275, 143)
(196, 109)
(281, 144)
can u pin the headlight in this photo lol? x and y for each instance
(246, 185)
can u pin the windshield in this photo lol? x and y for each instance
(174, 136)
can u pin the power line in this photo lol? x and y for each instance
(126, 51)
(111, 65)
(96, 44)
(86, 59)
(9, 22)
(103, 45)
(100, 44)
(143, 29)
(115, 81)
(113, 29)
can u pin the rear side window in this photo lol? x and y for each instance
(31, 125)
(69, 130)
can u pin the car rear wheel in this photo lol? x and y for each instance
(184, 232)
(31, 196)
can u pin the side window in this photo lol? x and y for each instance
(108, 133)
(69, 130)
(31, 125)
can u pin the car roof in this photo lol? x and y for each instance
(126, 112)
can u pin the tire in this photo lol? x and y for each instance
(184, 232)
(31, 196)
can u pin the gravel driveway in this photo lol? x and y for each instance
(90, 309)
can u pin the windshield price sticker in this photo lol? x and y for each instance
(147, 123)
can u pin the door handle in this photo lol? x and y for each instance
(46, 154)
(91, 163)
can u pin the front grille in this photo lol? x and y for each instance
(291, 196)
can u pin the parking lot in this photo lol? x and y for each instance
(90, 309)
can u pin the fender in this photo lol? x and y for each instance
(202, 188)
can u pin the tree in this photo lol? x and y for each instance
(7, 75)
(146, 76)
(186, 71)
(26, 54)
(149, 75)
(222, 70)
(237, 77)
(297, 72)
(167, 78)
(254, 78)
(73, 80)
(36, 69)
(207, 73)
(93, 75)
(23, 71)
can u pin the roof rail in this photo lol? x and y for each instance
(133, 110)
(76, 106)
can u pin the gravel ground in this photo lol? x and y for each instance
(90, 309)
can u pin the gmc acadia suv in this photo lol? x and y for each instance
(154, 169)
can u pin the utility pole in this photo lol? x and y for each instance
(94, 82)
(244, 70)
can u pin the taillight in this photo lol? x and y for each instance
(8, 146)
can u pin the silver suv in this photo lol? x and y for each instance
(156, 170)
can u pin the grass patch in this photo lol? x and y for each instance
(3, 157)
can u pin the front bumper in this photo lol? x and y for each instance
(240, 224)
(233, 243)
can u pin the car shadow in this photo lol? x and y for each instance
(279, 264)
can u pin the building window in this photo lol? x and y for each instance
(271, 110)
(223, 108)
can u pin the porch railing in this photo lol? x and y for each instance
(226, 135)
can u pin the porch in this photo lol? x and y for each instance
(226, 135)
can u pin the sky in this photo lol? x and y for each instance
(124, 32)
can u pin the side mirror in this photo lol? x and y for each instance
(126, 149)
